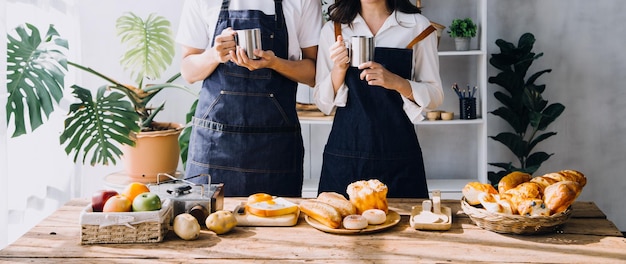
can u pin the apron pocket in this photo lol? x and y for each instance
(259, 110)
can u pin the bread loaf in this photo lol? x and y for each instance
(472, 189)
(559, 196)
(511, 180)
(492, 203)
(274, 207)
(578, 176)
(371, 194)
(321, 212)
(343, 205)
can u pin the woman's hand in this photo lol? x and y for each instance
(339, 54)
(375, 74)
(224, 44)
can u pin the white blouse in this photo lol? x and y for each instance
(397, 32)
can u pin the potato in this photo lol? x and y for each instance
(221, 222)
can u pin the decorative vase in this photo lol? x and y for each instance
(462, 43)
(154, 152)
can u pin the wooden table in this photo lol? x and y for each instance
(588, 237)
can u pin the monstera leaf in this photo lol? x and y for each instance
(36, 69)
(150, 45)
(99, 125)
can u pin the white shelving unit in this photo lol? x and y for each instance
(455, 151)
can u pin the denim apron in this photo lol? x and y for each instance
(246, 132)
(372, 137)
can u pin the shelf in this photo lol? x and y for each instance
(461, 53)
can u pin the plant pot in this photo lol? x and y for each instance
(462, 43)
(154, 152)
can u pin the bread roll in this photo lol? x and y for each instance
(533, 207)
(511, 180)
(543, 182)
(526, 190)
(322, 212)
(375, 216)
(472, 189)
(259, 197)
(371, 194)
(578, 176)
(354, 222)
(559, 196)
(492, 203)
(338, 201)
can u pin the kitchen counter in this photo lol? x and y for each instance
(587, 237)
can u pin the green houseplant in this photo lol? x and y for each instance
(462, 30)
(523, 107)
(96, 126)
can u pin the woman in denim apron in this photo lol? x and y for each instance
(246, 132)
(372, 137)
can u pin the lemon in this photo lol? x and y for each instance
(186, 226)
(221, 222)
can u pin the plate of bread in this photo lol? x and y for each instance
(365, 211)
(523, 204)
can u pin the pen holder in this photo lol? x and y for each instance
(467, 108)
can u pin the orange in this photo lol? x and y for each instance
(133, 189)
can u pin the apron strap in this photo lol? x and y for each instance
(421, 36)
(278, 16)
(337, 30)
(224, 10)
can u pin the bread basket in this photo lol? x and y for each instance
(514, 224)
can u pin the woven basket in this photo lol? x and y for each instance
(514, 224)
(120, 228)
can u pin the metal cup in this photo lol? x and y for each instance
(249, 40)
(361, 50)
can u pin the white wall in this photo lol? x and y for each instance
(587, 66)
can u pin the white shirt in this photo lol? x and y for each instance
(397, 32)
(302, 17)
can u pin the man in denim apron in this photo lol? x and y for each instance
(246, 132)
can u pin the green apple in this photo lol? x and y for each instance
(146, 201)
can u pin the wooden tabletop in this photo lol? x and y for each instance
(587, 237)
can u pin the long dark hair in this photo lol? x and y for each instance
(344, 11)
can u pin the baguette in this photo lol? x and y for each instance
(343, 205)
(324, 213)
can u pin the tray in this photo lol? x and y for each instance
(416, 210)
(393, 218)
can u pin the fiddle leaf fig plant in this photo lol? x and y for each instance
(94, 125)
(523, 107)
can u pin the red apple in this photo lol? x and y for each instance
(99, 198)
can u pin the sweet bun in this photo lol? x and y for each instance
(543, 181)
(338, 201)
(472, 189)
(559, 196)
(533, 207)
(526, 190)
(511, 180)
(492, 203)
(370, 194)
(324, 213)
(354, 222)
(375, 216)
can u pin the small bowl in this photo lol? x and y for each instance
(447, 115)
(433, 115)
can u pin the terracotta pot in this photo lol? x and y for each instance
(154, 152)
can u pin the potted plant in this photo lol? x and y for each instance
(523, 107)
(119, 116)
(462, 30)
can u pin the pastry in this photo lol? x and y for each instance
(559, 196)
(543, 182)
(370, 194)
(375, 216)
(533, 207)
(354, 222)
(322, 212)
(511, 180)
(492, 203)
(338, 201)
(472, 189)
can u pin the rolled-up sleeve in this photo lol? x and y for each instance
(324, 94)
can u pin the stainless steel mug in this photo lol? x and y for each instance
(361, 50)
(249, 40)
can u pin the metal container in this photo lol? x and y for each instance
(197, 199)
(249, 40)
(361, 50)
